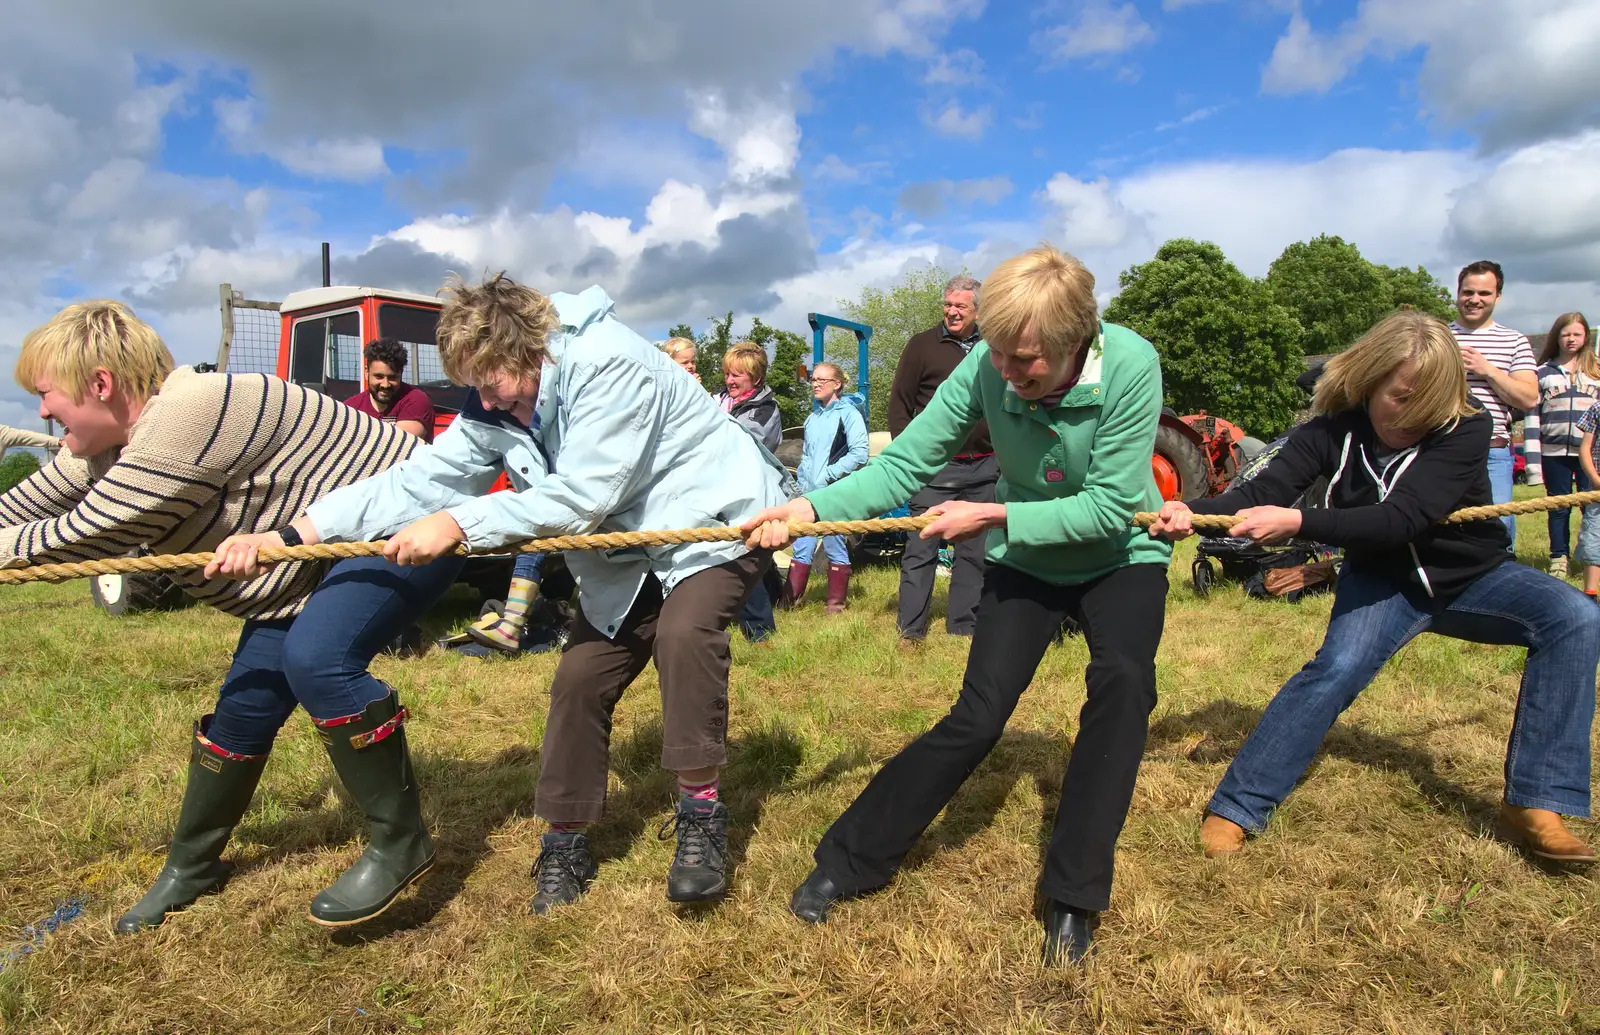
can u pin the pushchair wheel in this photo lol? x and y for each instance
(1204, 576)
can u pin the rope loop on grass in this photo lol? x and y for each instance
(164, 562)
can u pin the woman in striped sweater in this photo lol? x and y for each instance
(178, 461)
(1569, 384)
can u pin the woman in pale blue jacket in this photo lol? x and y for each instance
(835, 445)
(598, 432)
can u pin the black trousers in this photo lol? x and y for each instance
(1121, 615)
(969, 480)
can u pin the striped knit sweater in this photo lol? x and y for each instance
(211, 455)
(1551, 428)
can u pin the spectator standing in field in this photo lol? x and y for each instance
(387, 397)
(1569, 386)
(928, 360)
(21, 437)
(1589, 530)
(751, 402)
(682, 351)
(1500, 368)
(835, 445)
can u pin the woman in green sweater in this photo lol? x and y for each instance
(1072, 406)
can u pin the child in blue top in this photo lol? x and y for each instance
(835, 445)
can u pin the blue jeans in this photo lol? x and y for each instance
(528, 566)
(1547, 759)
(1561, 473)
(318, 659)
(1501, 470)
(833, 547)
(756, 620)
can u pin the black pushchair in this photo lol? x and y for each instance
(1290, 570)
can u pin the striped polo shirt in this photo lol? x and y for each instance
(1505, 348)
(211, 455)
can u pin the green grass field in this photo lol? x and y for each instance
(1377, 901)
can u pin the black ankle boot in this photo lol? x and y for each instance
(563, 872)
(1068, 934)
(813, 898)
(700, 866)
(369, 753)
(220, 785)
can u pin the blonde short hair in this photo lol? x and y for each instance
(1410, 336)
(673, 346)
(89, 336)
(1045, 289)
(844, 381)
(498, 326)
(748, 358)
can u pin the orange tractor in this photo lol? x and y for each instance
(1198, 455)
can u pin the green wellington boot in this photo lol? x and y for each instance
(369, 753)
(220, 785)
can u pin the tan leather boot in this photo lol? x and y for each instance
(1220, 837)
(1543, 835)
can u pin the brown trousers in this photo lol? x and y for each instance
(686, 634)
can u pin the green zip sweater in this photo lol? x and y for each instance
(1071, 475)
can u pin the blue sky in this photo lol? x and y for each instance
(772, 157)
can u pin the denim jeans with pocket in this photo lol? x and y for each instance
(1547, 758)
(318, 659)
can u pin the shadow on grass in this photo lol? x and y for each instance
(1223, 726)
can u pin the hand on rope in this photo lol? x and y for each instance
(1268, 525)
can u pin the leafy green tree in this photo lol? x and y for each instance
(16, 467)
(1418, 289)
(909, 307)
(1337, 295)
(1226, 346)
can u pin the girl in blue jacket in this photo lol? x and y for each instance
(835, 445)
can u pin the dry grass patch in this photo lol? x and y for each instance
(1376, 901)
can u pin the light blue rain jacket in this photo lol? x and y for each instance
(621, 441)
(822, 432)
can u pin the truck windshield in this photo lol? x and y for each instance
(417, 329)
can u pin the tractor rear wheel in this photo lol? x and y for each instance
(1179, 467)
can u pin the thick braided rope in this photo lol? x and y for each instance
(618, 540)
(339, 551)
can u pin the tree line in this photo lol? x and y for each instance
(1230, 344)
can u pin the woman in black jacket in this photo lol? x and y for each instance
(1402, 445)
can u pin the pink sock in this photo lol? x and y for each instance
(567, 828)
(698, 791)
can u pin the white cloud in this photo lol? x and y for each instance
(1198, 115)
(955, 68)
(1101, 29)
(349, 159)
(1513, 72)
(954, 121)
(929, 199)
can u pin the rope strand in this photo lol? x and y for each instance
(65, 572)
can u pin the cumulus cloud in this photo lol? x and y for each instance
(952, 120)
(512, 88)
(930, 199)
(1101, 29)
(955, 68)
(1512, 72)
(353, 159)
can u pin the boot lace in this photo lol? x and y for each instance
(559, 870)
(698, 841)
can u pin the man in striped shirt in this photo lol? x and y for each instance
(1500, 368)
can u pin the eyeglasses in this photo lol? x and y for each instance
(824, 380)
